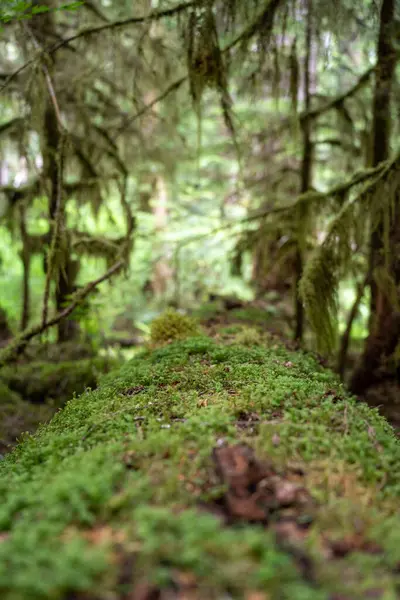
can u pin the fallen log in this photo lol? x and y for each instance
(205, 470)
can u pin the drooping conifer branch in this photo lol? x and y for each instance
(262, 23)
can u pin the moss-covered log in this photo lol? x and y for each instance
(205, 469)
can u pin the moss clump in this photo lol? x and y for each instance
(249, 336)
(172, 325)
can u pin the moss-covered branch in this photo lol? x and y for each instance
(90, 245)
(11, 351)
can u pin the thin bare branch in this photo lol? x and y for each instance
(89, 6)
(338, 100)
(175, 85)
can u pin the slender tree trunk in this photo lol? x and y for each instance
(382, 121)
(26, 264)
(306, 176)
(345, 341)
(66, 274)
(384, 326)
(162, 272)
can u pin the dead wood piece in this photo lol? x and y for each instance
(255, 492)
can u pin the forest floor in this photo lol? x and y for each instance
(223, 466)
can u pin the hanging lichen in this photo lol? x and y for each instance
(206, 66)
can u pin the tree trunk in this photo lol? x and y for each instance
(43, 28)
(345, 341)
(384, 325)
(66, 275)
(162, 271)
(26, 264)
(306, 176)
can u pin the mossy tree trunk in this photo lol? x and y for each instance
(306, 177)
(384, 326)
(65, 273)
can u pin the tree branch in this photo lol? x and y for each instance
(11, 351)
(175, 85)
(263, 21)
(245, 35)
(152, 16)
(375, 175)
(15, 73)
(95, 10)
(338, 100)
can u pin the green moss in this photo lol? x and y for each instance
(251, 314)
(249, 336)
(208, 310)
(172, 325)
(130, 461)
